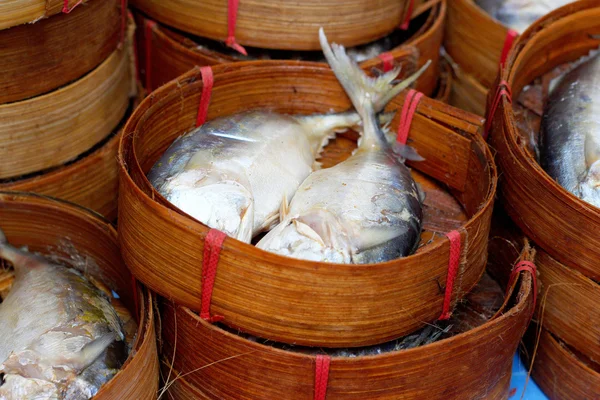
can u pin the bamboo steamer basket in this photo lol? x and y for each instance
(64, 48)
(466, 92)
(49, 130)
(172, 53)
(43, 224)
(444, 90)
(561, 374)
(557, 221)
(17, 12)
(274, 296)
(202, 361)
(285, 25)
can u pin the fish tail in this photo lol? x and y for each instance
(20, 259)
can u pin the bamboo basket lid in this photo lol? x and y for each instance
(204, 361)
(52, 226)
(557, 221)
(164, 54)
(37, 58)
(253, 289)
(17, 12)
(49, 130)
(286, 25)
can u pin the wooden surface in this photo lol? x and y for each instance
(286, 24)
(56, 228)
(560, 223)
(273, 296)
(49, 130)
(37, 58)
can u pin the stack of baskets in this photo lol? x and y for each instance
(178, 35)
(66, 87)
(225, 302)
(565, 341)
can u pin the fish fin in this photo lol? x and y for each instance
(246, 229)
(361, 88)
(92, 350)
(20, 259)
(406, 152)
(317, 165)
(284, 209)
(385, 119)
(420, 192)
(307, 231)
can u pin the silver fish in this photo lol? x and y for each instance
(366, 209)
(571, 132)
(58, 332)
(520, 14)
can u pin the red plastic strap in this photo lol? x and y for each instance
(388, 61)
(512, 392)
(529, 267)
(408, 111)
(321, 376)
(232, 9)
(207, 85)
(150, 25)
(212, 250)
(66, 8)
(409, 12)
(136, 300)
(502, 90)
(511, 35)
(453, 263)
(123, 19)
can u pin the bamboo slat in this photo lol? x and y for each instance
(37, 58)
(445, 83)
(286, 24)
(215, 364)
(51, 227)
(273, 296)
(172, 54)
(466, 93)
(49, 130)
(17, 12)
(560, 223)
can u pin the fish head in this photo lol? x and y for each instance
(589, 188)
(315, 236)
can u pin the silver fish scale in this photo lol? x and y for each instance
(519, 14)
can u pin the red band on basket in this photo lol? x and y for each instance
(212, 250)
(66, 8)
(502, 90)
(453, 264)
(408, 16)
(411, 102)
(231, 22)
(150, 25)
(123, 19)
(521, 267)
(388, 61)
(511, 35)
(321, 376)
(136, 300)
(207, 85)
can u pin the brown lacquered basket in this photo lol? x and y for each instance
(51, 226)
(37, 58)
(557, 221)
(200, 360)
(286, 24)
(274, 296)
(54, 128)
(164, 54)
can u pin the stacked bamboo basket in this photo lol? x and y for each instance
(565, 341)
(169, 43)
(66, 88)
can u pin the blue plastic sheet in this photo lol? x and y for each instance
(519, 376)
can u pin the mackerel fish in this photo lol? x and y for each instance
(520, 14)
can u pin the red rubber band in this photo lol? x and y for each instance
(212, 250)
(232, 10)
(523, 266)
(502, 90)
(66, 8)
(512, 392)
(388, 61)
(511, 35)
(321, 376)
(207, 85)
(453, 264)
(408, 111)
(408, 16)
(123, 19)
(150, 25)
(136, 300)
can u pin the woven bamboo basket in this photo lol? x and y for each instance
(44, 224)
(466, 92)
(254, 290)
(164, 54)
(443, 92)
(285, 25)
(72, 45)
(537, 204)
(17, 12)
(202, 361)
(49, 130)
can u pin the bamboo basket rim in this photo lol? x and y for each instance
(50, 8)
(243, 247)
